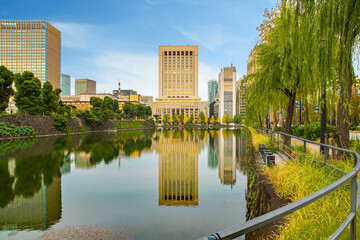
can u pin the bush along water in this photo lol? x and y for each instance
(15, 131)
(311, 131)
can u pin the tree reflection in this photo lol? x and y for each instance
(6, 182)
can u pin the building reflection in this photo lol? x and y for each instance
(82, 160)
(178, 167)
(241, 153)
(38, 210)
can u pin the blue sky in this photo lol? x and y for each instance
(113, 40)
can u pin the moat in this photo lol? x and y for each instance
(164, 184)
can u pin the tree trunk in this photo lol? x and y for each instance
(289, 117)
(260, 121)
(343, 119)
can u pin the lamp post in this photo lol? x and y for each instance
(323, 109)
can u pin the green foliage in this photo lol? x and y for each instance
(15, 131)
(165, 119)
(201, 117)
(128, 125)
(6, 90)
(28, 93)
(297, 130)
(136, 110)
(191, 120)
(50, 98)
(60, 122)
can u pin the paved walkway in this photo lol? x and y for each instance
(355, 135)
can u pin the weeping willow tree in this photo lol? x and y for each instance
(306, 47)
(284, 62)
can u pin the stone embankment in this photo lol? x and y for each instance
(43, 125)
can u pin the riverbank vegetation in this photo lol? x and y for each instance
(305, 51)
(299, 178)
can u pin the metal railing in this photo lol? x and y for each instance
(258, 222)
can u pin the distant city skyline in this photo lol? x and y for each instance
(115, 41)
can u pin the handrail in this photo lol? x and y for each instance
(277, 214)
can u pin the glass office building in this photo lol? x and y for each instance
(65, 84)
(31, 46)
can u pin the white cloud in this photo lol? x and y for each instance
(75, 35)
(134, 71)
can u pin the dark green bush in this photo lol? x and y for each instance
(297, 130)
(312, 131)
(60, 122)
(278, 129)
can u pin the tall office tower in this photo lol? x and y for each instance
(212, 90)
(84, 86)
(178, 81)
(241, 98)
(227, 91)
(65, 84)
(31, 46)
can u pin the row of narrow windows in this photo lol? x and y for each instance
(177, 53)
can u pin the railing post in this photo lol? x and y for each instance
(283, 138)
(278, 141)
(353, 207)
(304, 147)
(290, 146)
(325, 154)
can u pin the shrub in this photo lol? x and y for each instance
(278, 129)
(14, 131)
(312, 131)
(60, 122)
(297, 130)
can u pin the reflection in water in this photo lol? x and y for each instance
(30, 172)
(227, 150)
(30, 182)
(178, 166)
(30, 194)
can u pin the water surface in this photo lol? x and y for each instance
(165, 184)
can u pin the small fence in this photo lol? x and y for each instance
(279, 213)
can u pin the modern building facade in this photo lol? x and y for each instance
(84, 86)
(65, 84)
(241, 98)
(178, 82)
(212, 90)
(31, 46)
(227, 91)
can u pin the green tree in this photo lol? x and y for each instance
(28, 93)
(6, 90)
(181, 118)
(192, 118)
(50, 98)
(175, 119)
(201, 117)
(165, 119)
(129, 110)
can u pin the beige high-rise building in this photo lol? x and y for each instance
(227, 92)
(178, 82)
(31, 46)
